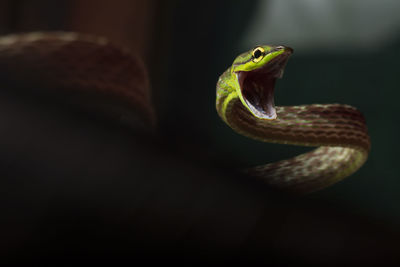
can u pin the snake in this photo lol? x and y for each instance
(92, 73)
(245, 102)
(84, 71)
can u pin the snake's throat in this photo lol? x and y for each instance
(257, 87)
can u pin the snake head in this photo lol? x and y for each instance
(256, 72)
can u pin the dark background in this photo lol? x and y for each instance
(68, 177)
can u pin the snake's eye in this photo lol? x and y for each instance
(257, 54)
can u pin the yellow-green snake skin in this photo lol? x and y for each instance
(245, 102)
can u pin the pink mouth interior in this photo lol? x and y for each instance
(258, 87)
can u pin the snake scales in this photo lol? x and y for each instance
(83, 70)
(94, 73)
(245, 102)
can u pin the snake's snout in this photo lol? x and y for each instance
(287, 49)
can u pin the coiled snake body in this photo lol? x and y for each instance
(245, 102)
(82, 70)
(93, 73)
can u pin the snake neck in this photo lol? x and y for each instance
(306, 125)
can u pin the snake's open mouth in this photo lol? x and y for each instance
(258, 85)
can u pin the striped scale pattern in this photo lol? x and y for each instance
(339, 131)
(87, 70)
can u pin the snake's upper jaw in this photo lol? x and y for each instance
(257, 86)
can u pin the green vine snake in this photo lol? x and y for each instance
(245, 101)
